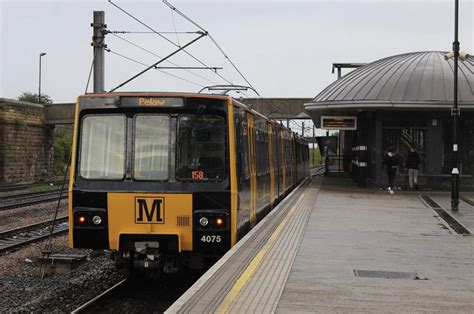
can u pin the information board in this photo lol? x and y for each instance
(339, 122)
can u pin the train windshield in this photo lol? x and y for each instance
(103, 147)
(151, 147)
(201, 147)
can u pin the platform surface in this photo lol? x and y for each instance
(332, 247)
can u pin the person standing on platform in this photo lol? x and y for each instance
(391, 162)
(327, 163)
(413, 162)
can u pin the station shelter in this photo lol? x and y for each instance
(404, 101)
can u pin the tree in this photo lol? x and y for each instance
(30, 97)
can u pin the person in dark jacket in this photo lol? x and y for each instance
(391, 162)
(413, 162)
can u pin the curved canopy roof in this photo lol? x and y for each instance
(419, 79)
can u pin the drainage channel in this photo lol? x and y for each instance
(467, 200)
(453, 223)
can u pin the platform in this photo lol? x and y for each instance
(332, 247)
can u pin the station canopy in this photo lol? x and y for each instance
(411, 81)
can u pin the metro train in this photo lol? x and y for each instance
(167, 181)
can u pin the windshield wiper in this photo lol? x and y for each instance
(191, 124)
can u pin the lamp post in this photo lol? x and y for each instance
(456, 55)
(39, 83)
(455, 114)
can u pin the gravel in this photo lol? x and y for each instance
(21, 289)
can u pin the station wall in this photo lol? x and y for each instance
(26, 148)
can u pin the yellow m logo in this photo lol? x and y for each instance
(149, 210)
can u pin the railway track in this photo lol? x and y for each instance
(27, 199)
(317, 170)
(86, 307)
(137, 294)
(15, 238)
(16, 195)
(13, 187)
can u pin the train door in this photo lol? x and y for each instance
(243, 172)
(271, 164)
(282, 162)
(252, 169)
(293, 159)
(277, 157)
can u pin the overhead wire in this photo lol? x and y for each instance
(143, 32)
(146, 65)
(174, 25)
(156, 55)
(166, 38)
(211, 38)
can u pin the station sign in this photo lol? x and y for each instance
(339, 122)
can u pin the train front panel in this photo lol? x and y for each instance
(154, 181)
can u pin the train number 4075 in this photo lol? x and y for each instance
(211, 238)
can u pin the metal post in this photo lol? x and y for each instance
(314, 139)
(39, 80)
(302, 128)
(455, 114)
(98, 42)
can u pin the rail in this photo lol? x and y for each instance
(27, 199)
(18, 237)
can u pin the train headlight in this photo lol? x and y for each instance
(219, 221)
(96, 220)
(87, 218)
(203, 221)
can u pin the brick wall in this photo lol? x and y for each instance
(25, 142)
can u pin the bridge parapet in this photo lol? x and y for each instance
(60, 113)
(25, 142)
(275, 108)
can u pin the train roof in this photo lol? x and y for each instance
(167, 94)
(187, 95)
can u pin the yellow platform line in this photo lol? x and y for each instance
(247, 274)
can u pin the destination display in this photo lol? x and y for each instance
(338, 122)
(152, 102)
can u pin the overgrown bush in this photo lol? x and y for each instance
(315, 156)
(62, 143)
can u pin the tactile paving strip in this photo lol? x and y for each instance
(262, 293)
(208, 296)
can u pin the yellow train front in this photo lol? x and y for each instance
(166, 181)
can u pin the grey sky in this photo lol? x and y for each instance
(284, 48)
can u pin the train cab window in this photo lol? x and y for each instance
(151, 147)
(201, 148)
(102, 147)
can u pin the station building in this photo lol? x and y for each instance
(404, 101)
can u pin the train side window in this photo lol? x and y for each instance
(151, 147)
(102, 147)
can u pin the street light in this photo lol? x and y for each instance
(39, 83)
(455, 111)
